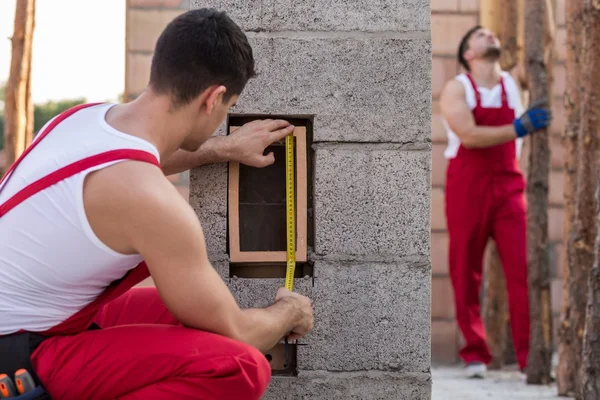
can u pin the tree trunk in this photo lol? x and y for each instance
(500, 17)
(566, 371)
(589, 373)
(495, 307)
(583, 234)
(17, 107)
(539, 31)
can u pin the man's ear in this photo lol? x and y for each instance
(468, 55)
(214, 97)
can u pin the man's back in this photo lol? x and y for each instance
(51, 262)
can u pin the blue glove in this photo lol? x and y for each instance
(536, 117)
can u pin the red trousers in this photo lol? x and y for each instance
(485, 199)
(142, 352)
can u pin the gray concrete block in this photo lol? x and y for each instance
(208, 197)
(372, 202)
(325, 15)
(350, 386)
(260, 292)
(369, 317)
(359, 90)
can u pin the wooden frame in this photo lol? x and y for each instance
(235, 254)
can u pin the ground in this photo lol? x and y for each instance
(449, 384)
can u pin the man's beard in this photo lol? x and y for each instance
(492, 54)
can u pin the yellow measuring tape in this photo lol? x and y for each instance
(290, 212)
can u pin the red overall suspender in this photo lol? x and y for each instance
(83, 319)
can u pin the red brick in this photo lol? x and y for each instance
(556, 295)
(444, 69)
(469, 5)
(444, 341)
(560, 16)
(444, 5)
(447, 30)
(145, 26)
(156, 3)
(558, 116)
(556, 186)
(558, 81)
(439, 253)
(438, 131)
(138, 72)
(438, 176)
(555, 223)
(560, 44)
(557, 153)
(442, 300)
(438, 213)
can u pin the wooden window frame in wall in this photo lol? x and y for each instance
(238, 256)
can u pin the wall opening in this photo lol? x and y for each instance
(256, 235)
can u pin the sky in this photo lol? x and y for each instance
(78, 49)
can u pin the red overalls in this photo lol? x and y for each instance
(142, 351)
(484, 198)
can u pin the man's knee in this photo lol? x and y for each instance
(255, 371)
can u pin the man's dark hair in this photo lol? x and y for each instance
(464, 46)
(197, 49)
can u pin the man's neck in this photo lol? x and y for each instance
(486, 73)
(148, 118)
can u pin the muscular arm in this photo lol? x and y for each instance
(246, 145)
(459, 117)
(214, 150)
(145, 214)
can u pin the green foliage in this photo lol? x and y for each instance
(42, 113)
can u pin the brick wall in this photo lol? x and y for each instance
(449, 20)
(145, 20)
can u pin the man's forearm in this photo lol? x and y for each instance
(212, 151)
(487, 136)
(263, 328)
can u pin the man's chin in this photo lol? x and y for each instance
(492, 54)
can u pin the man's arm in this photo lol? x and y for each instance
(145, 214)
(459, 117)
(246, 145)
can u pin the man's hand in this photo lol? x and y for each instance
(247, 144)
(303, 305)
(536, 117)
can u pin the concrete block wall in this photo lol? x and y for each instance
(362, 70)
(449, 21)
(449, 18)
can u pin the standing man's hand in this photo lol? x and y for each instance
(536, 117)
(248, 143)
(304, 311)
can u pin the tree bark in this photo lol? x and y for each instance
(495, 307)
(566, 371)
(589, 374)
(18, 98)
(495, 16)
(538, 39)
(583, 233)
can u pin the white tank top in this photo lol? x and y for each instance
(51, 262)
(489, 98)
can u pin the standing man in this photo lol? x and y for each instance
(485, 198)
(87, 213)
